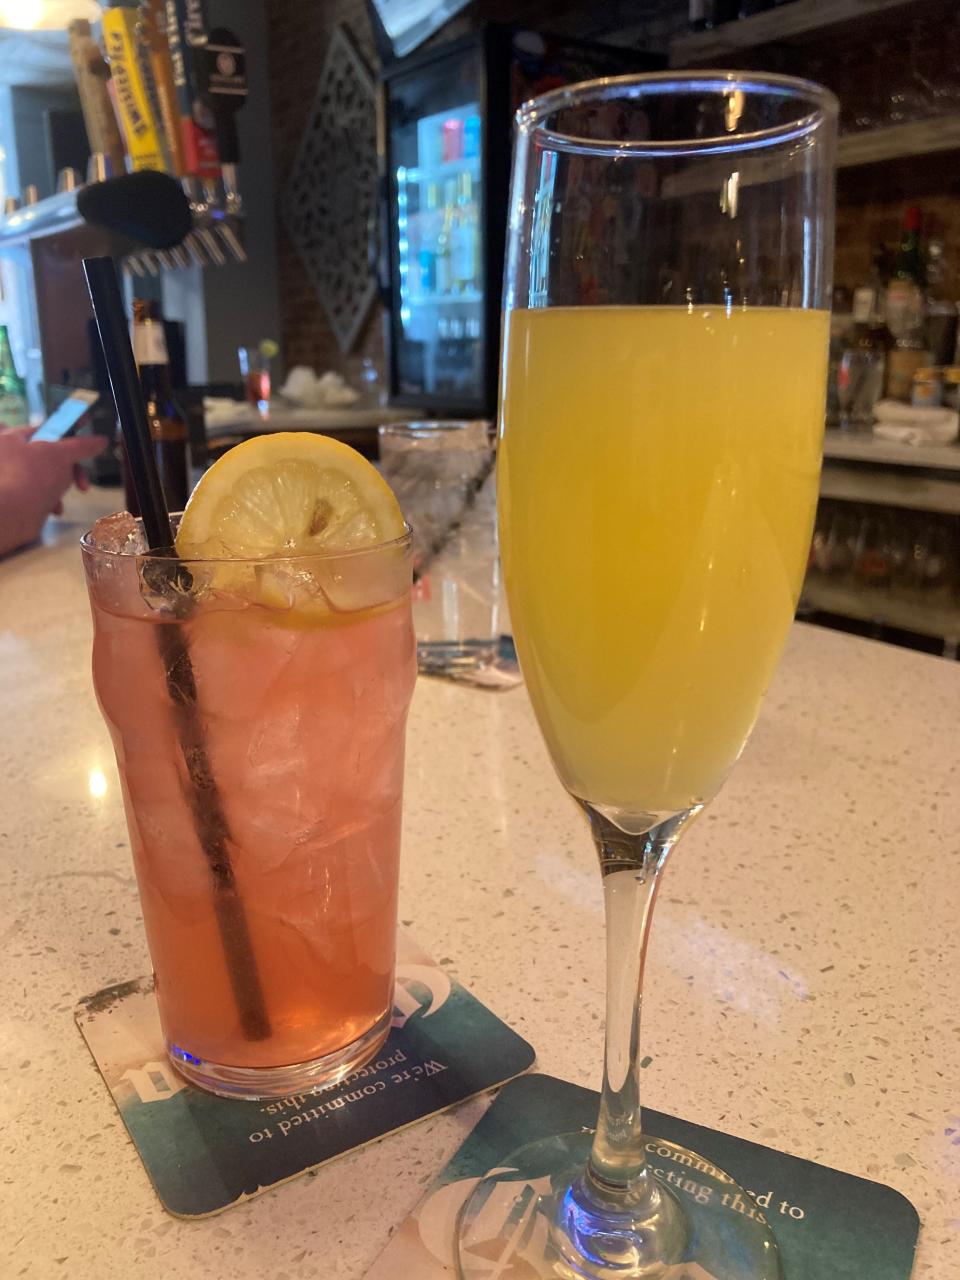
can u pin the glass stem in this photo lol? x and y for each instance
(630, 865)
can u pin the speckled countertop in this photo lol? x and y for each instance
(803, 978)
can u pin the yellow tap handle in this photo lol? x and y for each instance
(139, 124)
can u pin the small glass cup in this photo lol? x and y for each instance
(442, 474)
(258, 709)
(255, 372)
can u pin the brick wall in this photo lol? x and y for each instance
(299, 33)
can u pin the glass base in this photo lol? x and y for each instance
(541, 1217)
(448, 657)
(253, 1083)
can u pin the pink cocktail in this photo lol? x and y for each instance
(304, 670)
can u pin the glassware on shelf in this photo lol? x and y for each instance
(872, 561)
(835, 540)
(862, 364)
(939, 563)
(655, 531)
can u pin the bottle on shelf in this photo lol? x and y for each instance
(429, 231)
(465, 239)
(906, 310)
(700, 15)
(14, 408)
(444, 261)
(168, 424)
(941, 307)
(451, 146)
(471, 138)
(911, 263)
(927, 389)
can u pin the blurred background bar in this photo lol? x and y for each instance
(328, 183)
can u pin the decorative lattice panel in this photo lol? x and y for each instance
(329, 204)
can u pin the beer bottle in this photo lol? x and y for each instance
(168, 423)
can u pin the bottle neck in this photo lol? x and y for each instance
(910, 263)
(6, 355)
(149, 343)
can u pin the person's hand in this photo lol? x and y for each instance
(34, 478)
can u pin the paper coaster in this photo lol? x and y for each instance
(204, 1153)
(829, 1225)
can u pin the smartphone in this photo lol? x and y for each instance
(66, 419)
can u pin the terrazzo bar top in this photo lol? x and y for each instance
(802, 982)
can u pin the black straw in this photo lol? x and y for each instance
(111, 321)
(203, 794)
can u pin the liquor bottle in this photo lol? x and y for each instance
(905, 309)
(465, 239)
(14, 409)
(942, 316)
(168, 424)
(910, 263)
(444, 263)
(862, 363)
(700, 15)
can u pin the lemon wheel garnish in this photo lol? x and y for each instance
(288, 494)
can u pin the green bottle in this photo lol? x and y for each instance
(14, 410)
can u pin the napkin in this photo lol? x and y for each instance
(908, 424)
(304, 388)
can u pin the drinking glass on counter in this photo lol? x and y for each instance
(660, 438)
(442, 474)
(255, 371)
(262, 779)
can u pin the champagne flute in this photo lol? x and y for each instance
(662, 409)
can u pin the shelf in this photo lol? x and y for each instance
(447, 299)
(892, 142)
(887, 453)
(924, 617)
(891, 489)
(785, 25)
(437, 172)
(923, 137)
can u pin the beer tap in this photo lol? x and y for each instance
(221, 72)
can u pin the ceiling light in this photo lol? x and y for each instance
(46, 15)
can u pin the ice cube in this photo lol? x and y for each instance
(119, 533)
